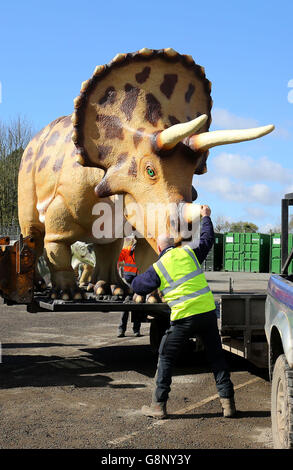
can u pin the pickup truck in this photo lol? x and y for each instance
(279, 334)
(259, 327)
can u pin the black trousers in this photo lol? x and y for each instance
(123, 324)
(205, 326)
(124, 317)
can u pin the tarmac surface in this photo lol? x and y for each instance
(68, 382)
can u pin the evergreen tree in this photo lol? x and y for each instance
(244, 227)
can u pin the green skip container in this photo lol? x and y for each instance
(275, 265)
(214, 259)
(246, 252)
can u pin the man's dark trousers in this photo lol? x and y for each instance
(123, 323)
(205, 326)
(124, 317)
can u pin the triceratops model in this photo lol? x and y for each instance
(139, 129)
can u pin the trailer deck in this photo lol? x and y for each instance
(43, 302)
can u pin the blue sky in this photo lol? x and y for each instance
(48, 49)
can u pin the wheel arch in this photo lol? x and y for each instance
(275, 348)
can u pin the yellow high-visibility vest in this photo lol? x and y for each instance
(183, 283)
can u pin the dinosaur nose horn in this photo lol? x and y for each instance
(190, 212)
(206, 140)
(170, 137)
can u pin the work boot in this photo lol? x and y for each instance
(228, 407)
(156, 410)
(121, 334)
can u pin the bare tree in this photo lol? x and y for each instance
(222, 224)
(14, 137)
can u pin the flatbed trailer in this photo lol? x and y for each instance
(17, 287)
(17, 266)
(240, 316)
(42, 302)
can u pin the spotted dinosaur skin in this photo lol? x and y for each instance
(103, 149)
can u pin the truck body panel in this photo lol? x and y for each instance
(241, 325)
(279, 313)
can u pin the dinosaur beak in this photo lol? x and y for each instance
(206, 140)
(170, 137)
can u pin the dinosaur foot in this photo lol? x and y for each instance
(114, 291)
(117, 290)
(153, 298)
(90, 287)
(67, 294)
(138, 299)
(64, 286)
(66, 290)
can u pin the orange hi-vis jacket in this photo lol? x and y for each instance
(129, 260)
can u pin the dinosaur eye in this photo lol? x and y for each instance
(150, 171)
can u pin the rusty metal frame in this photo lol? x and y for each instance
(17, 268)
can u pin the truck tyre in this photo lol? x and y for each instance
(157, 331)
(282, 404)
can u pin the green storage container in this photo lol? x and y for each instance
(214, 259)
(246, 252)
(275, 251)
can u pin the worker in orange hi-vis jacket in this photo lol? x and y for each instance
(128, 271)
(126, 260)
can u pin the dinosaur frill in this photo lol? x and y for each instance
(129, 101)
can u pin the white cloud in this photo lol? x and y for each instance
(224, 187)
(249, 169)
(223, 119)
(252, 186)
(282, 132)
(261, 193)
(288, 189)
(255, 212)
(236, 191)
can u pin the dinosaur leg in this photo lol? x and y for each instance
(58, 257)
(86, 275)
(105, 276)
(61, 232)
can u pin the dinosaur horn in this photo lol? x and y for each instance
(206, 140)
(170, 137)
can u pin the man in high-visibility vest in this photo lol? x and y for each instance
(126, 263)
(179, 276)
